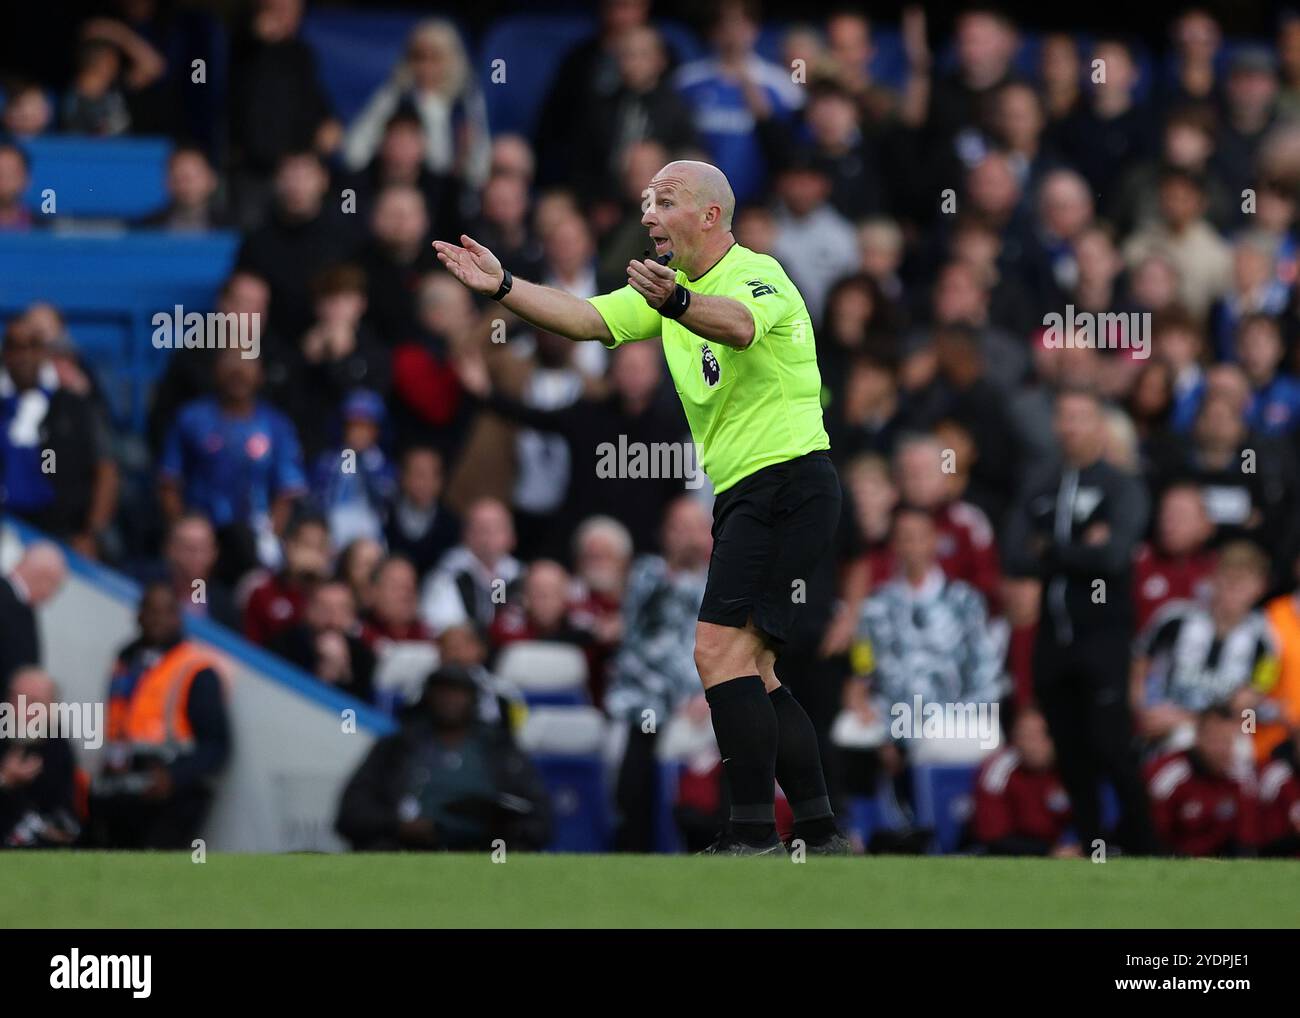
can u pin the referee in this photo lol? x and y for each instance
(739, 343)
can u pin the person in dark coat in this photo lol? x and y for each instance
(445, 782)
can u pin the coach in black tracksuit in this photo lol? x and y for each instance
(1076, 527)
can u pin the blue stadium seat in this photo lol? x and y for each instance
(117, 178)
(579, 803)
(109, 288)
(943, 798)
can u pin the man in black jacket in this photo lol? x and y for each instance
(445, 782)
(1076, 526)
(34, 580)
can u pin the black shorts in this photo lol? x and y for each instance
(770, 531)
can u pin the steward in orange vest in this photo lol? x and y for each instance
(168, 735)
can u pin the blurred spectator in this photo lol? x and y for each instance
(1250, 112)
(813, 241)
(642, 107)
(1175, 565)
(1200, 256)
(1279, 800)
(36, 578)
(335, 358)
(962, 296)
(417, 524)
(402, 644)
(602, 556)
(1192, 656)
(499, 703)
(731, 92)
(15, 175)
(1274, 407)
(1202, 802)
(27, 112)
(1254, 291)
(59, 471)
(192, 200)
(653, 673)
(427, 397)
(434, 79)
(280, 600)
(921, 633)
(1076, 526)
(189, 373)
(965, 543)
(355, 482)
(277, 104)
(95, 103)
(356, 568)
(191, 557)
(327, 641)
(866, 416)
(37, 774)
(542, 612)
(445, 782)
(626, 237)
(1178, 340)
(236, 459)
(1196, 38)
(588, 70)
(478, 575)
(303, 236)
(633, 414)
(1111, 130)
(503, 223)
(1020, 805)
(396, 260)
(168, 735)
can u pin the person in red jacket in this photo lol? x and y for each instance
(1202, 802)
(279, 601)
(1279, 800)
(1178, 563)
(1020, 804)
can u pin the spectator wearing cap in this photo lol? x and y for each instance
(1249, 114)
(353, 483)
(445, 781)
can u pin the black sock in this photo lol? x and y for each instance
(744, 724)
(799, 769)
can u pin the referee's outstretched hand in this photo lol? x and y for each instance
(651, 280)
(474, 265)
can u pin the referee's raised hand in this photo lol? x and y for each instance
(474, 265)
(651, 280)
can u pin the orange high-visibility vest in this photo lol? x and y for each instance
(1283, 614)
(155, 714)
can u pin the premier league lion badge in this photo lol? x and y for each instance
(709, 366)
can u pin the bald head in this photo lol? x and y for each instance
(41, 570)
(704, 182)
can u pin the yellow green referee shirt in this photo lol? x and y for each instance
(747, 409)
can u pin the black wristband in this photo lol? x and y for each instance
(507, 281)
(676, 305)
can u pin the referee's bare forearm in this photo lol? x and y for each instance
(556, 311)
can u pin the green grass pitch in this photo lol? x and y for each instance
(83, 889)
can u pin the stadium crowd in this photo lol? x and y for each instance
(406, 481)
